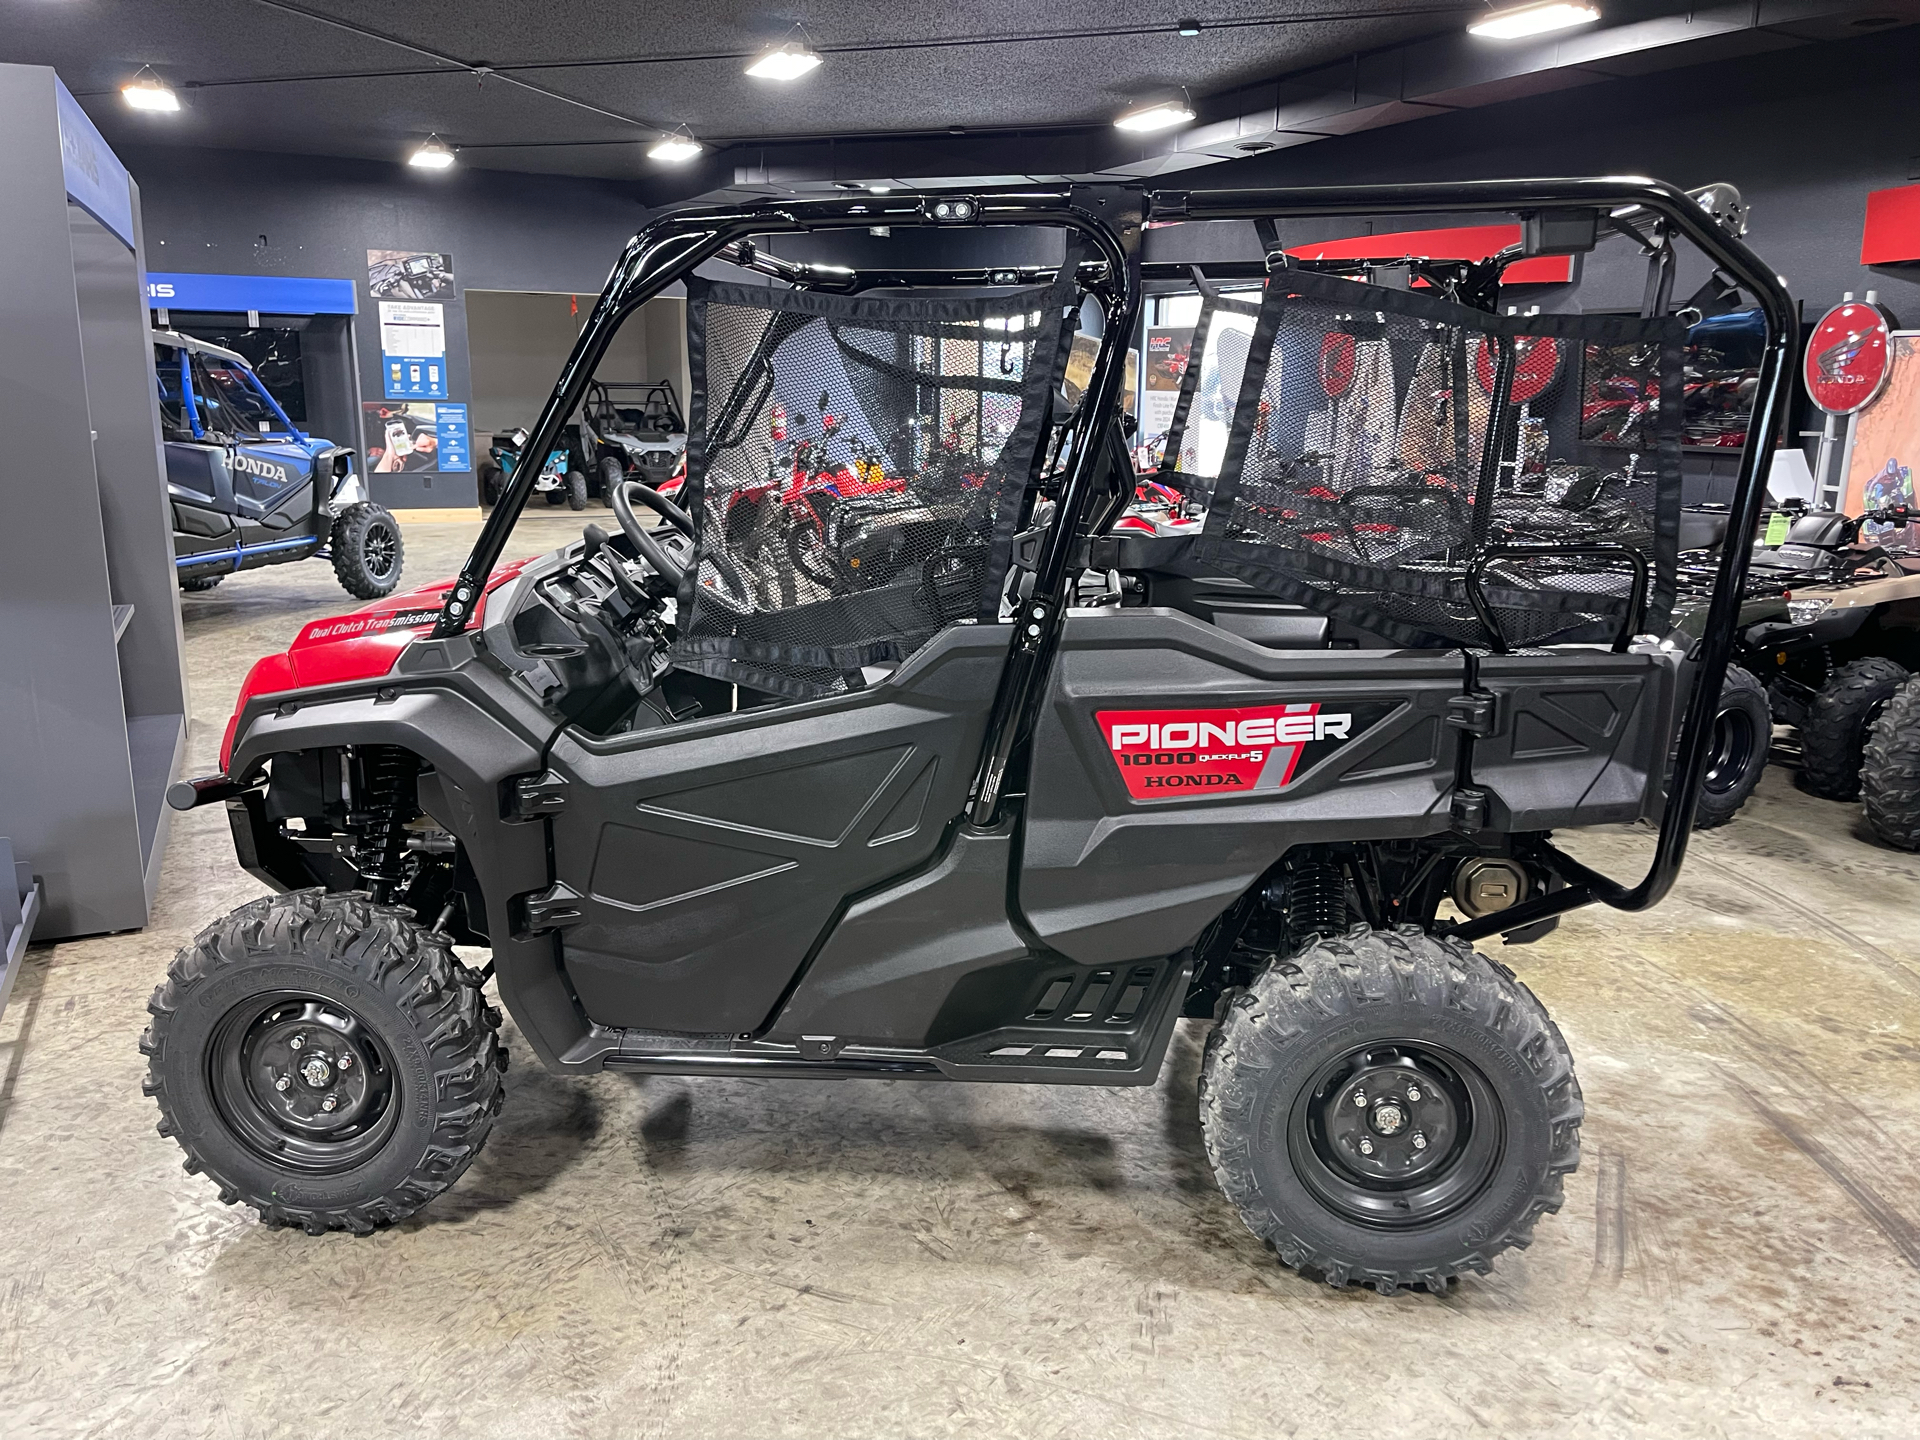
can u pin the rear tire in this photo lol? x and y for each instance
(1890, 776)
(492, 481)
(367, 551)
(1446, 1046)
(199, 584)
(342, 1000)
(612, 475)
(576, 488)
(1833, 739)
(1742, 729)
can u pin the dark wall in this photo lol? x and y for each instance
(208, 211)
(1804, 133)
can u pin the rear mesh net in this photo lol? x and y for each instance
(855, 471)
(1364, 476)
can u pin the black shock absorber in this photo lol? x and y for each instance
(378, 821)
(1316, 897)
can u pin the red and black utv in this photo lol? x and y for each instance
(948, 801)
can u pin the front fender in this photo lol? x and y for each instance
(473, 733)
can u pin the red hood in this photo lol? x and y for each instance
(362, 645)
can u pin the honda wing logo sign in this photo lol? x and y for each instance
(1168, 753)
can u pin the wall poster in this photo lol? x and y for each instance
(1885, 449)
(413, 350)
(450, 421)
(413, 436)
(1166, 363)
(410, 274)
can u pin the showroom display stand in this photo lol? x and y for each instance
(92, 696)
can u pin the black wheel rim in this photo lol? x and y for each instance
(379, 549)
(303, 1082)
(1396, 1134)
(1734, 741)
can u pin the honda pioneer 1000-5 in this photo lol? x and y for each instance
(910, 785)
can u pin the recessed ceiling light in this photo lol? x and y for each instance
(147, 91)
(881, 189)
(435, 154)
(1189, 28)
(1527, 20)
(788, 60)
(1160, 115)
(675, 149)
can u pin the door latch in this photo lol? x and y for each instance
(1469, 810)
(1477, 712)
(532, 796)
(554, 908)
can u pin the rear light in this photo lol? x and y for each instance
(269, 675)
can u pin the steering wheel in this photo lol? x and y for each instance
(623, 496)
(664, 507)
(648, 548)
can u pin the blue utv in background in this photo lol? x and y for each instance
(248, 488)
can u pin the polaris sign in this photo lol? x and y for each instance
(261, 294)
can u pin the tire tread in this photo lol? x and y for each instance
(1329, 981)
(1834, 735)
(382, 946)
(1890, 776)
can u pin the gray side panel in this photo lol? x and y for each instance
(1106, 877)
(889, 967)
(1580, 740)
(709, 857)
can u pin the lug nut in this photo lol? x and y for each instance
(330, 1103)
(1419, 1140)
(346, 1063)
(1360, 1098)
(1413, 1092)
(1366, 1146)
(282, 1083)
(297, 1041)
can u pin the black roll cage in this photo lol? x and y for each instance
(1111, 219)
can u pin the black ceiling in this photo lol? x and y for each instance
(305, 77)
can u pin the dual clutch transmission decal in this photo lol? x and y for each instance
(1165, 753)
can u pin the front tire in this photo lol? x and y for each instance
(1890, 777)
(612, 475)
(200, 584)
(1742, 730)
(576, 488)
(492, 482)
(325, 1060)
(1389, 1108)
(367, 551)
(1833, 738)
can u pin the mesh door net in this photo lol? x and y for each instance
(1366, 475)
(855, 472)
